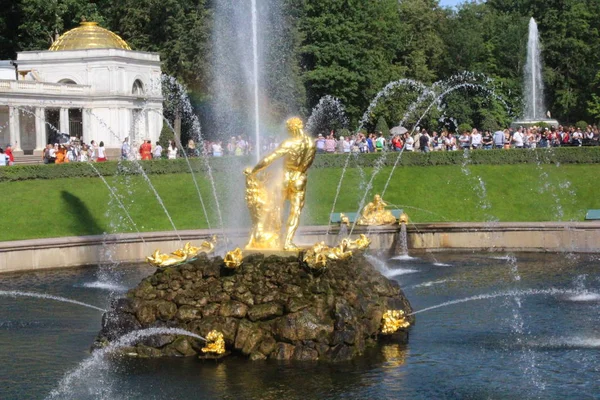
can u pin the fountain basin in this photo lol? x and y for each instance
(528, 123)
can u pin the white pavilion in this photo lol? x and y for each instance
(89, 85)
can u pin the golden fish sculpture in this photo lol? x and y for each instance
(214, 343)
(392, 321)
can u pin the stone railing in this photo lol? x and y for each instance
(23, 87)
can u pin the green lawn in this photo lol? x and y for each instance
(84, 206)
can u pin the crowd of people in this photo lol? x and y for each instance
(420, 140)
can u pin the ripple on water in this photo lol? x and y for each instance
(404, 257)
(585, 296)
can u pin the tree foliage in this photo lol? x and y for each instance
(351, 49)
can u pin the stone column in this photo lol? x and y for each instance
(40, 130)
(14, 118)
(64, 120)
(86, 133)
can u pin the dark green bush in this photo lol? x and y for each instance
(464, 127)
(232, 164)
(581, 125)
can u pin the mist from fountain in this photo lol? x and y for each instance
(329, 113)
(187, 160)
(534, 85)
(118, 200)
(141, 171)
(188, 110)
(88, 371)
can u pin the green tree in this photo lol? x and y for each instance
(382, 127)
(349, 50)
(43, 21)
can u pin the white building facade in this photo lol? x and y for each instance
(89, 85)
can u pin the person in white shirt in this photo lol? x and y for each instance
(172, 150)
(409, 143)
(217, 149)
(517, 139)
(476, 139)
(4, 159)
(157, 153)
(125, 149)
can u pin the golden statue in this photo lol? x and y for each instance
(187, 253)
(344, 220)
(159, 259)
(362, 243)
(375, 213)
(316, 257)
(298, 152)
(214, 343)
(264, 213)
(233, 258)
(392, 321)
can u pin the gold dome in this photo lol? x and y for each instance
(88, 35)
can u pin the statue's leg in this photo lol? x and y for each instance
(296, 195)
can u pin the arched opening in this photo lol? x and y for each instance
(138, 88)
(68, 81)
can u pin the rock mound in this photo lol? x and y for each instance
(270, 307)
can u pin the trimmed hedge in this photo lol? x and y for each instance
(232, 164)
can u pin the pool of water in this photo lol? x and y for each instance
(517, 346)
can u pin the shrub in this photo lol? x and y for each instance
(464, 127)
(581, 125)
(234, 165)
(382, 127)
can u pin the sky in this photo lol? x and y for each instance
(450, 3)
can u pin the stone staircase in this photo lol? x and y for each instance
(28, 160)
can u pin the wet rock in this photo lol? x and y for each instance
(233, 309)
(302, 325)
(283, 351)
(188, 313)
(117, 324)
(265, 311)
(146, 313)
(304, 353)
(268, 308)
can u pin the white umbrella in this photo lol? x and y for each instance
(398, 130)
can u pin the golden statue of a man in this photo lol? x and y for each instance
(298, 152)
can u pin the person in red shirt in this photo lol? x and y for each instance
(9, 153)
(146, 150)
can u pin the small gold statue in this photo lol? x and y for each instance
(298, 153)
(316, 257)
(375, 213)
(392, 321)
(361, 243)
(233, 259)
(344, 220)
(403, 218)
(188, 252)
(159, 259)
(214, 343)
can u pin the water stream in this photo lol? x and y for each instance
(18, 293)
